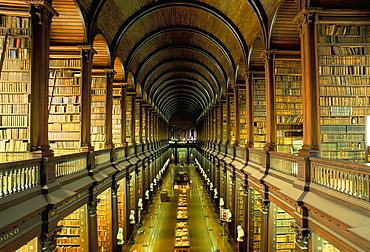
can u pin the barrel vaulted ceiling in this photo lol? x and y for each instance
(180, 55)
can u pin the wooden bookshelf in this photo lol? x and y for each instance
(232, 119)
(104, 219)
(128, 119)
(117, 115)
(240, 202)
(64, 124)
(224, 121)
(280, 228)
(259, 112)
(121, 203)
(289, 105)
(15, 41)
(256, 221)
(137, 122)
(143, 123)
(98, 111)
(243, 116)
(73, 236)
(344, 70)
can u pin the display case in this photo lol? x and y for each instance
(182, 238)
(182, 213)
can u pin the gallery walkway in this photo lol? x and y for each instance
(157, 231)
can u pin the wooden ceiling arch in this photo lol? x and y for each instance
(102, 57)
(177, 74)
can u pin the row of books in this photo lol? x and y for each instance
(342, 50)
(14, 109)
(65, 135)
(14, 87)
(343, 146)
(344, 101)
(72, 63)
(15, 76)
(14, 120)
(65, 108)
(358, 156)
(64, 100)
(334, 29)
(287, 70)
(358, 40)
(64, 145)
(64, 118)
(16, 133)
(296, 92)
(285, 105)
(344, 70)
(325, 129)
(60, 90)
(16, 65)
(344, 60)
(291, 98)
(344, 90)
(13, 145)
(14, 22)
(342, 120)
(288, 78)
(339, 137)
(289, 119)
(344, 111)
(288, 84)
(344, 80)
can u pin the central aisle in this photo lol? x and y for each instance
(157, 232)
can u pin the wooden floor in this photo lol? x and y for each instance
(157, 231)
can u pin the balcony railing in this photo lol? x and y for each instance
(19, 176)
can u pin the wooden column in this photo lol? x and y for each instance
(123, 120)
(270, 101)
(237, 114)
(87, 54)
(41, 15)
(249, 112)
(310, 87)
(93, 225)
(109, 106)
(265, 229)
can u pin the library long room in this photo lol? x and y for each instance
(184, 125)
